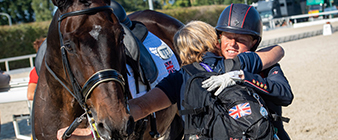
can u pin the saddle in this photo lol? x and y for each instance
(137, 56)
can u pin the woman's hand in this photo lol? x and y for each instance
(60, 133)
(78, 134)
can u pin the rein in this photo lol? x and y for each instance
(81, 94)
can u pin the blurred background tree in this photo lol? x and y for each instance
(136, 5)
(19, 10)
(43, 9)
(23, 11)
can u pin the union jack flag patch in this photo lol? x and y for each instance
(169, 66)
(240, 110)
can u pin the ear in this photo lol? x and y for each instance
(218, 44)
(86, 2)
(253, 43)
(107, 2)
(62, 4)
(54, 2)
(59, 3)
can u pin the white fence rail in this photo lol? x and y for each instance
(279, 21)
(330, 13)
(7, 60)
(283, 39)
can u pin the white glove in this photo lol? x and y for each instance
(222, 81)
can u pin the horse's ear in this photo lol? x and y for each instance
(54, 2)
(86, 2)
(61, 4)
(107, 2)
(114, 17)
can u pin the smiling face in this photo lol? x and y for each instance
(233, 44)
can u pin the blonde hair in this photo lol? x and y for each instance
(194, 40)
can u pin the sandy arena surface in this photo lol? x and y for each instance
(311, 67)
(309, 64)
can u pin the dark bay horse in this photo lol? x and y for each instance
(83, 74)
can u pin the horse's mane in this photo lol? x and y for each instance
(53, 27)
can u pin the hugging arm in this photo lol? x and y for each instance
(272, 85)
(152, 101)
(255, 62)
(250, 62)
(270, 55)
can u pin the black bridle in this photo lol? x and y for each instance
(81, 94)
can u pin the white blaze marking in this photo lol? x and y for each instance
(96, 31)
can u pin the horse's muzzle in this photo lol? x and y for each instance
(108, 131)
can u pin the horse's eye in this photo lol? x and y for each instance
(68, 47)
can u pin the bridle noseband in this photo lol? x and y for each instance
(81, 94)
(98, 78)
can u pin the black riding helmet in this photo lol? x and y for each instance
(241, 19)
(120, 13)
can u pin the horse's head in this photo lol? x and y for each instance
(85, 50)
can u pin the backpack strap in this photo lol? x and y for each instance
(193, 68)
(277, 117)
(232, 64)
(229, 64)
(193, 111)
(196, 69)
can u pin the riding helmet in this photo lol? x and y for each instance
(241, 19)
(120, 13)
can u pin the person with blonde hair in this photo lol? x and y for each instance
(194, 40)
(197, 42)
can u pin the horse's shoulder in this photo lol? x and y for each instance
(158, 17)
